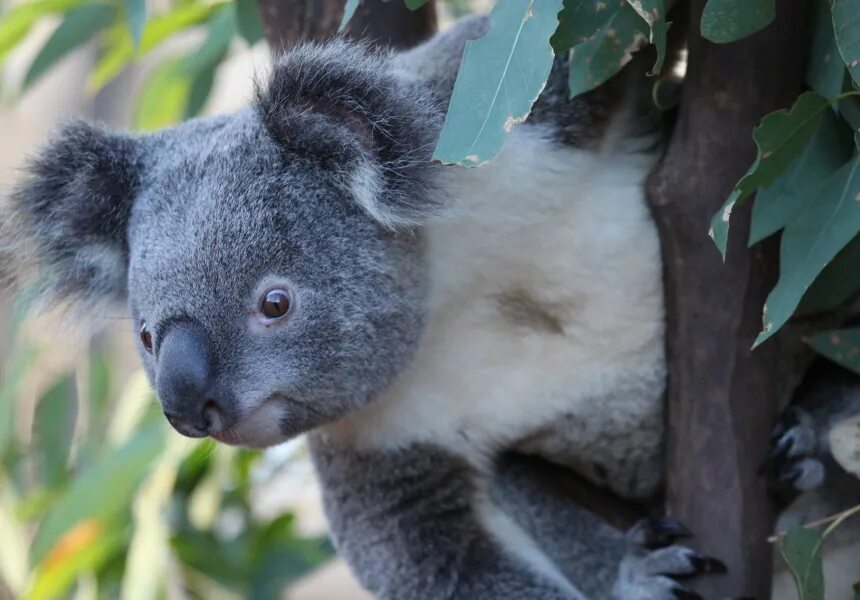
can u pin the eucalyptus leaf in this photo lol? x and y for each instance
(580, 20)
(837, 283)
(414, 4)
(19, 20)
(825, 72)
(653, 12)
(779, 138)
(135, 15)
(801, 550)
(163, 98)
(17, 369)
(348, 11)
(248, 19)
(841, 346)
(846, 27)
(823, 154)
(103, 491)
(725, 21)
(596, 60)
(810, 241)
(501, 75)
(53, 430)
(77, 28)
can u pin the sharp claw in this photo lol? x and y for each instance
(709, 565)
(671, 527)
(683, 594)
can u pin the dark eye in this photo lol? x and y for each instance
(145, 337)
(275, 304)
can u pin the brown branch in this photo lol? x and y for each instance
(722, 397)
(386, 22)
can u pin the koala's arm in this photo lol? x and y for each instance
(414, 525)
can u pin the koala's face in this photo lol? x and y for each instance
(262, 255)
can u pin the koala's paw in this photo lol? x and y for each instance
(653, 565)
(794, 468)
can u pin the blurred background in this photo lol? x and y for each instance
(99, 498)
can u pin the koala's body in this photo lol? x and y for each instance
(303, 266)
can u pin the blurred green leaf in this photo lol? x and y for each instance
(17, 23)
(825, 72)
(16, 371)
(856, 589)
(846, 27)
(54, 429)
(779, 138)
(841, 346)
(414, 4)
(219, 33)
(726, 21)
(837, 283)
(103, 491)
(494, 91)
(163, 98)
(279, 558)
(348, 11)
(248, 20)
(83, 549)
(812, 239)
(823, 154)
(135, 15)
(78, 27)
(654, 13)
(801, 550)
(120, 49)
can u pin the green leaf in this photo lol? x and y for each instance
(219, 33)
(248, 21)
(135, 15)
(15, 372)
(348, 12)
(414, 4)
(201, 86)
(801, 550)
(596, 60)
(826, 71)
(120, 49)
(779, 137)
(811, 240)
(725, 21)
(580, 20)
(846, 27)
(77, 28)
(17, 23)
(654, 13)
(164, 97)
(856, 588)
(500, 77)
(836, 284)
(823, 154)
(103, 491)
(54, 429)
(841, 346)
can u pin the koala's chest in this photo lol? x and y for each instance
(545, 304)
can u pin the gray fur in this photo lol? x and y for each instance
(320, 188)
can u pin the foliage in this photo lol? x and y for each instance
(98, 495)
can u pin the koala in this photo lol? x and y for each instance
(302, 266)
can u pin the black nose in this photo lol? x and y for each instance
(184, 382)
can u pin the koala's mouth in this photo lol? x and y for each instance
(260, 428)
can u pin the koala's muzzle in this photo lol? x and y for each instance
(185, 382)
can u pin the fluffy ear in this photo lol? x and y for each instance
(371, 127)
(64, 226)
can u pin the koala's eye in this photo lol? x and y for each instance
(275, 304)
(145, 337)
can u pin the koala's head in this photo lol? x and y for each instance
(270, 259)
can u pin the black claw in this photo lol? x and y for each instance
(664, 531)
(709, 565)
(683, 594)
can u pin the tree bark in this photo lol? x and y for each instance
(722, 397)
(385, 22)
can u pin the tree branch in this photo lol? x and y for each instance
(722, 398)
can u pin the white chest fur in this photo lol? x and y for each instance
(546, 303)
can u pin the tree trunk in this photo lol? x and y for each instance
(722, 398)
(386, 22)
